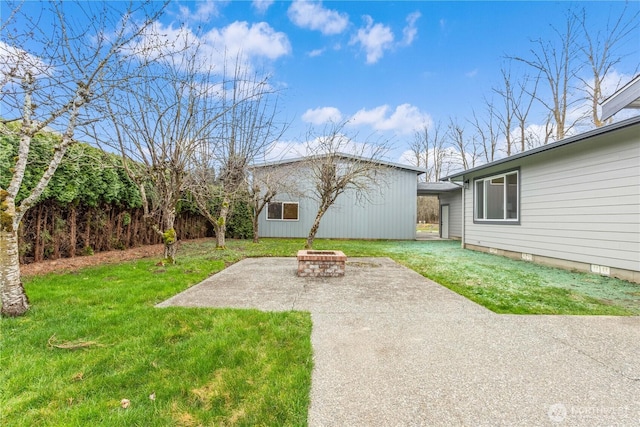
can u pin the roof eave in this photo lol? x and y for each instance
(418, 170)
(626, 97)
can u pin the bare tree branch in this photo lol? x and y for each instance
(337, 164)
(247, 126)
(601, 55)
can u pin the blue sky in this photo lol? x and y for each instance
(388, 66)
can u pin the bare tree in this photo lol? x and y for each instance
(420, 151)
(509, 104)
(439, 154)
(246, 128)
(487, 131)
(559, 64)
(468, 149)
(523, 101)
(159, 123)
(52, 85)
(429, 151)
(601, 55)
(333, 172)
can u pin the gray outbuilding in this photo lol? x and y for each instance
(389, 211)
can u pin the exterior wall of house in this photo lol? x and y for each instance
(454, 200)
(579, 203)
(389, 214)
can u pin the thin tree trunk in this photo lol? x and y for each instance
(254, 223)
(314, 229)
(119, 228)
(132, 218)
(169, 237)
(43, 234)
(136, 229)
(37, 246)
(220, 225)
(73, 217)
(55, 233)
(87, 230)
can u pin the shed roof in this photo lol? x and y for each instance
(429, 188)
(626, 97)
(576, 139)
(343, 156)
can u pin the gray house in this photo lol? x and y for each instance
(389, 212)
(574, 203)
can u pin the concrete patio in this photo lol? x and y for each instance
(392, 348)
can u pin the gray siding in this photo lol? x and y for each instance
(389, 214)
(454, 200)
(578, 202)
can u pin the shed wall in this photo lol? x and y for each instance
(579, 203)
(389, 214)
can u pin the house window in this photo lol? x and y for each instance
(497, 198)
(283, 211)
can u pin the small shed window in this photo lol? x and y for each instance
(496, 198)
(283, 211)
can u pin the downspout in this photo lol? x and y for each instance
(464, 198)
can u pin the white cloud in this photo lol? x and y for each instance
(280, 150)
(203, 13)
(257, 40)
(314, 16)
(315, 52)
(410, 31)
(374, 39)
(261, 5)
(322, 115)
(237, 41)
(405, 119)
(369, 117)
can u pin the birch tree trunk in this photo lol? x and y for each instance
(14, 298)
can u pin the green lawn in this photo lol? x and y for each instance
(93, 337)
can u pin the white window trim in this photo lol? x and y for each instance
(266, 211)
(504, 207)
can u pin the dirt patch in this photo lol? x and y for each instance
(72, 264)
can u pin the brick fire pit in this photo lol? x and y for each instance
(321, 263)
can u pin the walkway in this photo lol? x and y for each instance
(392, 348)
